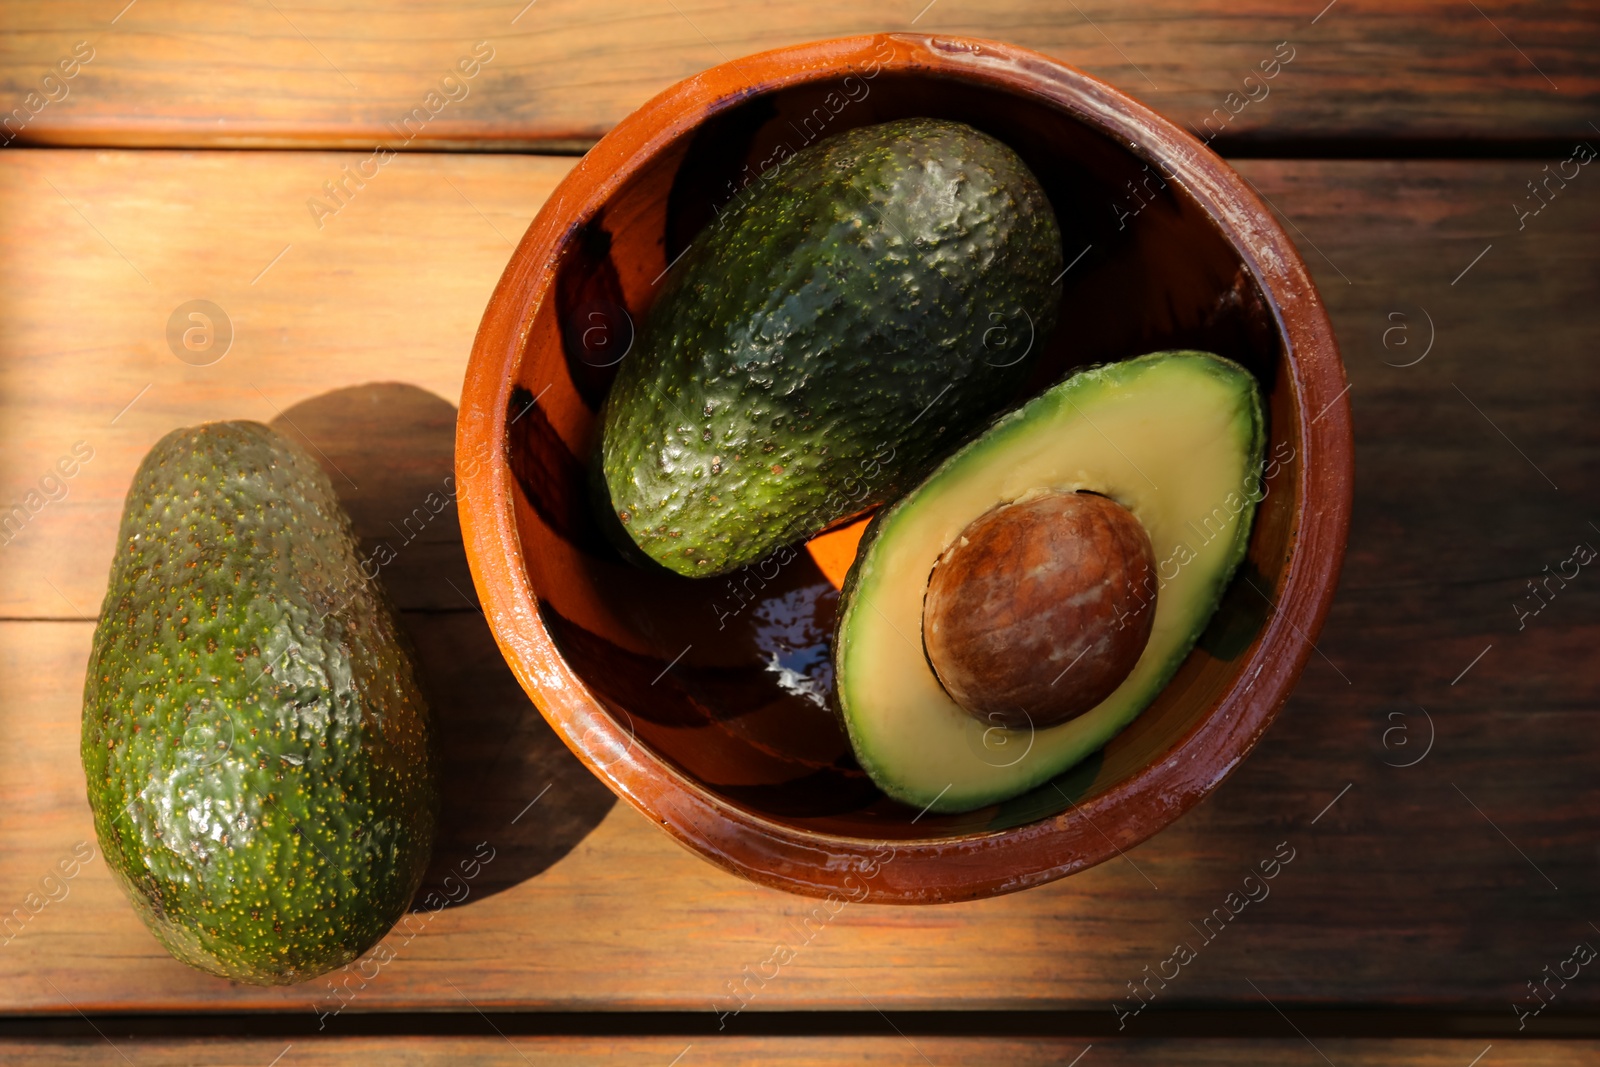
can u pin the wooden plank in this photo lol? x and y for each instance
(393, 284)
(192, 73)
(885, 1051)
(1451, 882)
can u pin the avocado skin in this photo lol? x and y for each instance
(258, 754)
(828, 337)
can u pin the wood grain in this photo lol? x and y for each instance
(391, 286)
(779, 1052)
(1451, 882)
(187, 72)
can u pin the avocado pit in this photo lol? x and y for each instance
(1040, 608)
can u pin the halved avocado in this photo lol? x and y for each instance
(1174, 437)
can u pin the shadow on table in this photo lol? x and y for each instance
(507, 782)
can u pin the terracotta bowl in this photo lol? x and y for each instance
(704, 702)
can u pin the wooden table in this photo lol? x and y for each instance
(1434, 772)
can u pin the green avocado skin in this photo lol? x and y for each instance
(257, 751)
(845, 321)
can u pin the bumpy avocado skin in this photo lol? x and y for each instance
(257, 751)
(846, 320)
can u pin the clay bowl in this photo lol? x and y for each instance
(703, 702)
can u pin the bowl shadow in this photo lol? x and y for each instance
(514, 799)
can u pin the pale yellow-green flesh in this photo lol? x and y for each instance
(1171, 438)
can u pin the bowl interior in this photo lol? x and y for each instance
(729, 679)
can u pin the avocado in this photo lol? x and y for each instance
(873, 299)
(257, 751)
(1176, 439)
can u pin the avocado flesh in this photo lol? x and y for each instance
(257, 751)
(851, 316)
(1173, 437)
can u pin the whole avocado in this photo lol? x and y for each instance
(258, 753)
(841, 325)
